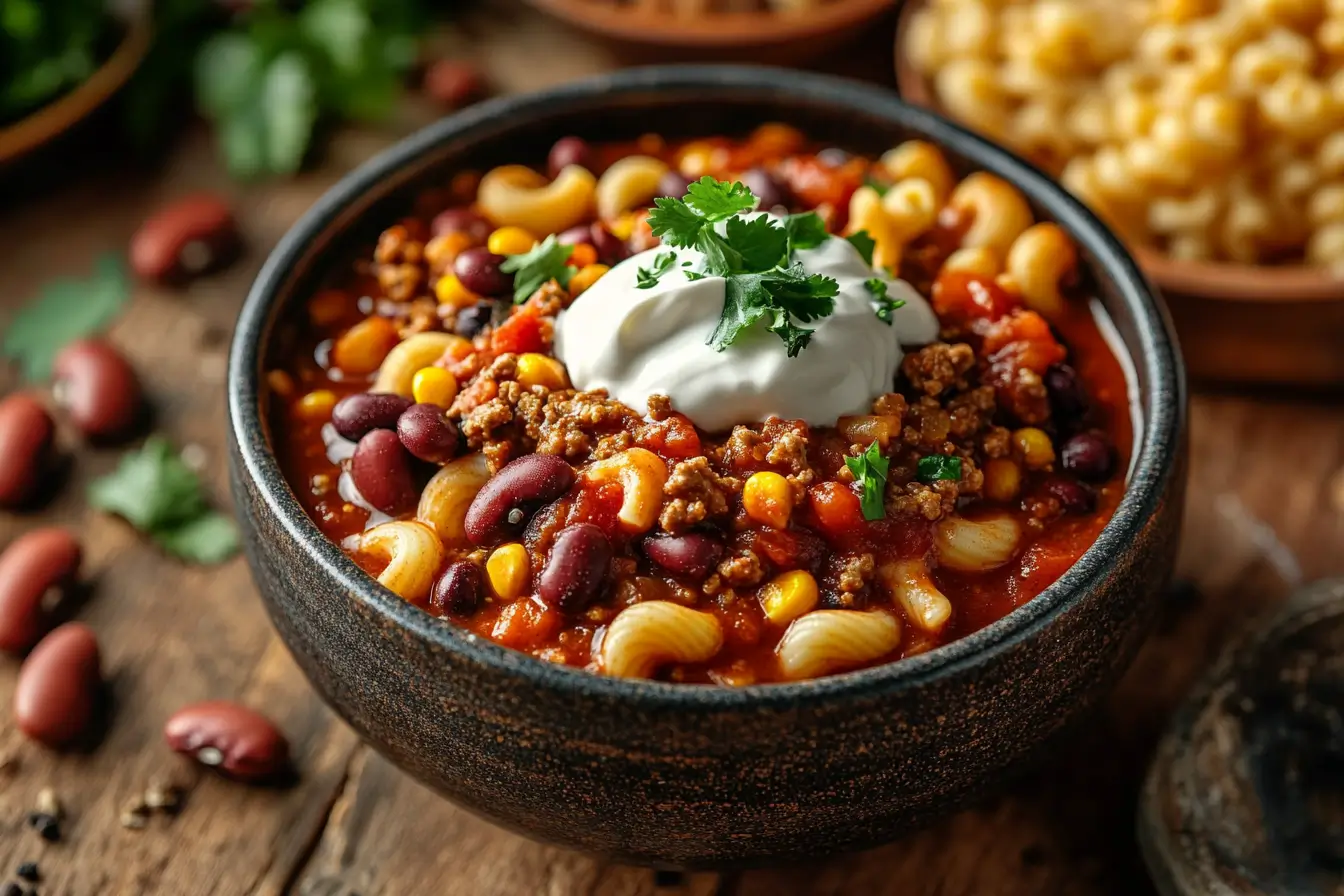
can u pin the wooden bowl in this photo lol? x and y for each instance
(1237, 323)
(62, 114)
(762, 35)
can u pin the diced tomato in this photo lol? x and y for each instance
(476, 394)
(674, 437)
(960, 296)
(836, 507)
(814, 183)
(598, 503)
(520, 333)
(788, 548)
(524, 624)
(1022, 340)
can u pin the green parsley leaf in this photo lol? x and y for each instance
(805, 231)
(717, 200)
(67, 309)
(865, 244)
(777, 295)
(760, 242)
(883, 304)
(694, 275)
(870, 472)
(545, 262)
(675, 223)
(647, 278)
(721, 259)
(933, 467)
(208, 539)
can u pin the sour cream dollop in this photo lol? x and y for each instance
(641, 342)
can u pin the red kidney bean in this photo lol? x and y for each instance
(576, 569)
(458, 590)
(185, 238)
(478, 270)
(451, 83)
(427, 433)
(31, 566)
(693, 554)
(768, 190)
(672, 185)
(27, 439)
(473, 320)
(58, 685)
(384, 472)
(1088, 455)
(355, 416)
(513, 494)
(1067, 399)
(1073, 496)
(568, 151)
(461, 220)
(610, 248)
(99, 389)
(239, 742)
(576, 235)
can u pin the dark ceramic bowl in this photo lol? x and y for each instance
(687, 776)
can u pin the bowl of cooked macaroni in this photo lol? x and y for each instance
(1210, 136)
(657, 464)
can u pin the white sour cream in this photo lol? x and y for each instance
(641, 342)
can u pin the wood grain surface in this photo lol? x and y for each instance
(1266, 511)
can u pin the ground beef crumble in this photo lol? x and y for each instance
(695, 493)
(939, 367)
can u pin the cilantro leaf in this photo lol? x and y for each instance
(870, 472)
(806, 296)
(760, 242)
(694, 275)
(675, 223)
(865, 244)
(745, 302)
(721, 259)
(933, 467)
(717, 200)
(209, 538)
(883, 304)
(547, 261)
(795, 338)
(778, 295)
(805, 231)
(647, 278)
(67, 309)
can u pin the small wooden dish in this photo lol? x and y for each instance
(63, 113)
(761, 34)
(1237, 323)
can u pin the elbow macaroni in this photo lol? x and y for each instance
(448, 494)
(976, 545)
(825, 641)
(642, 475)
(518, 196)
(913, 590)
(649, 634)
(410, 356)
(413, 554)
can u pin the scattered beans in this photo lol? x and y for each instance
(355, 416)
(383, 471)
(672, 186)
(27, 436)
(503, 506)
(691, 555)
(240, 742)
(568, 151)
(452, 84)
(426, 432)
(33, 565)
(766, 188)
(576, 569)
(1066, 392)
(473, 320)
(478, 270)
(58, 686)
(1073, 496)
(185, 239)
(99, 389)
(461, 220)
(1088, 456)
(458, 590)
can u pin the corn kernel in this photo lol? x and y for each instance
(450, 291)
(280, 383)
(623, 226)
(434, 385)
(1003, 479)
(768, 498)
(508, 569)
(585, 278)
(541, 370)
(317, 405)
(789, 596)
(510, 241)
(1034, 447)
(694, 160)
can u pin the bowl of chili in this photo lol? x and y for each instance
(838, 666)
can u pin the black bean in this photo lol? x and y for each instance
(478, 270)
(568, 151)
(576, 569)
(672, 186)
(384, 472)
(1073, 496)
(693, 554)
(473, 320)
(1067, 399)
(458, 590)
(1088, 455)
(461, 220)
(427, 433)
(513, 494)
(355, 416)
(768, 190)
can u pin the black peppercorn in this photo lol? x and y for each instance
(28, 871)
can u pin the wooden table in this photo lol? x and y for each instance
(1266, 511)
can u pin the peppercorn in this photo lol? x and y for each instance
(47, 826)
(28, 871)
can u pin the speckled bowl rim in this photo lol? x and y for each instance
(1157, 359)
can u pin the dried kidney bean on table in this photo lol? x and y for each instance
(33, 567)
(98, 388)
(236, 741)
(27, 448)
(59, 686)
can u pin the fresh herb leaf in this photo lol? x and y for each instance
(865, 244)
(883, 304)
(933, 467)
(675, 223)
(805, 231)
(208, 539)
(694, 275)
(717, 200)
(545, 262)
(760, 242)
(67, 309)
(870, 472)
(777, 295)
(647, 278)
(721, 259)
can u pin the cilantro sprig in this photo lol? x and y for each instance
(933, 467)
(883, 304)
(870, 472)
(548, 260)
(647, 278)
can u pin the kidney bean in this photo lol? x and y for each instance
(672, 185)
(184, 239)
(768, 190)
(99, 389)
(833, 157)
(693, 554)
(473, 320)
(568, 151)
(1067, 399)
(451, 83)
(576, 235)
(478, 270)
(427, 433)
(458, 590)
(384, 472)
(58, 685)
(355, 416)
(461, 220)
(237, 741)
(1073, 496)
(513, 494)
(576, 569)
(31, 566)
(27, 438)
(610, 248)
(1088, 455)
